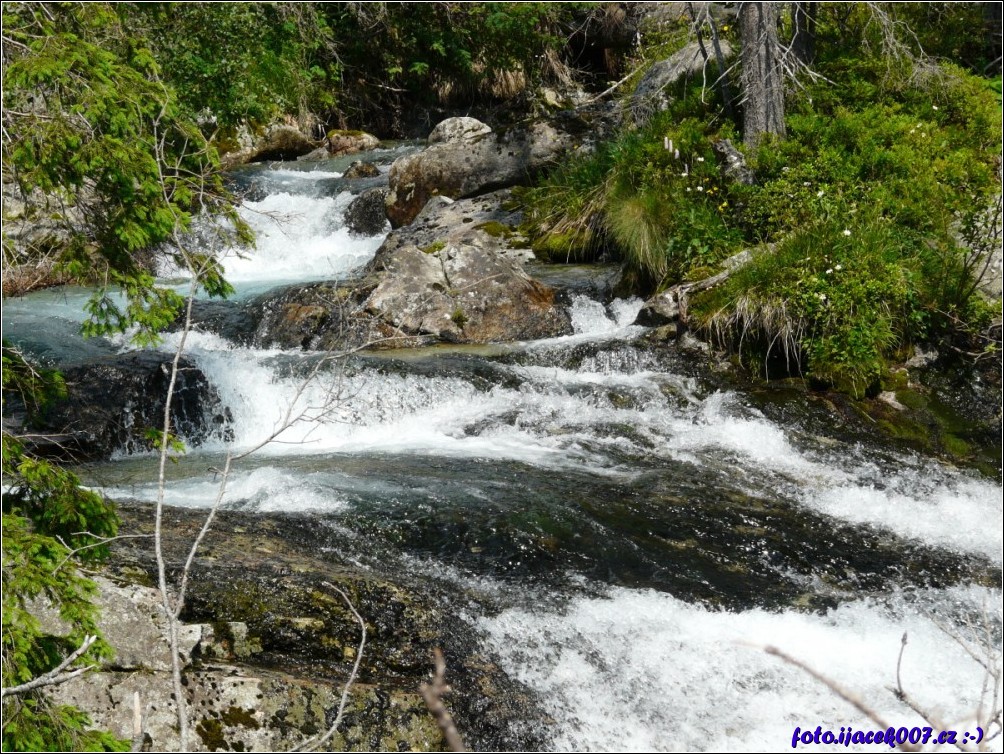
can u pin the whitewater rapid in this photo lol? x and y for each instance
(616, 666)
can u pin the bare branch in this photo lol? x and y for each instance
(57, 675)
(314, 744)
(433, 695)
(839, 690)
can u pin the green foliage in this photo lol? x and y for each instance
(910, 172)
(922, 157)
(240, 62)
(960, 32)
(903, 154)
(564, 213)
(98, 142)
(46, 513)
(835, 300)
(100, 150)
(442, 52)
(653, 197)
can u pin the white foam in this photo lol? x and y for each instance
(265, 489)
(298, 238)
(643, 671)
(961, 513)
(282, 175)
(561, 418)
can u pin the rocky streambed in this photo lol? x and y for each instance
(598, 520)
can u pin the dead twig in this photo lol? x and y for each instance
(433, 694)
(840, 691)
(315, 743)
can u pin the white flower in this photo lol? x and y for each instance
(821, 296)
(701, 159)
(847, 232)
(819, 193)
(829, 271)
(806, 183)
(935, 107)
(839, 267)
(700, 188)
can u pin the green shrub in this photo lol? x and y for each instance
(653, 198)
(45, 513)
(835, 302)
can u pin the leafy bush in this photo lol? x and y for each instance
(45, 513)
(99, 148)
(442, 53)
(240, 62)
(922, 156)
(904, 157)
(653, 198)
(834, 302)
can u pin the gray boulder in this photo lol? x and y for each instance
(360, 169)
(281, 143)
(464, 292)
(471, 166)
(341, 141)
(458, 129)
(367, 214)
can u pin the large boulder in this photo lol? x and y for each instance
(341, 141)
(277, 142)
(458, 129)
(464, 292)
(650, 97)
(476, 219)
(267, 646)
(471, 166)
(112, 402)
(367, 214)
(282, 143)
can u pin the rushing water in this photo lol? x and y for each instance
(624, 535)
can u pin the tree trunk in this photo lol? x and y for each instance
(762, 79)
(803, 38)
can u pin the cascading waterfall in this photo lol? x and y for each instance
(628, 544)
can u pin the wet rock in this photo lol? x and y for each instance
(278, 142)
(113, 401)
(921, 358)
(661, 309)
(367, 214)
(458, 129)
(321, 153)
(360, 169)
(316, 317)
(340, 141)
(489, 216)
(471, 166)
(282, 143)
(276, 642)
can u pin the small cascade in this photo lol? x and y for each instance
(622, 534)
